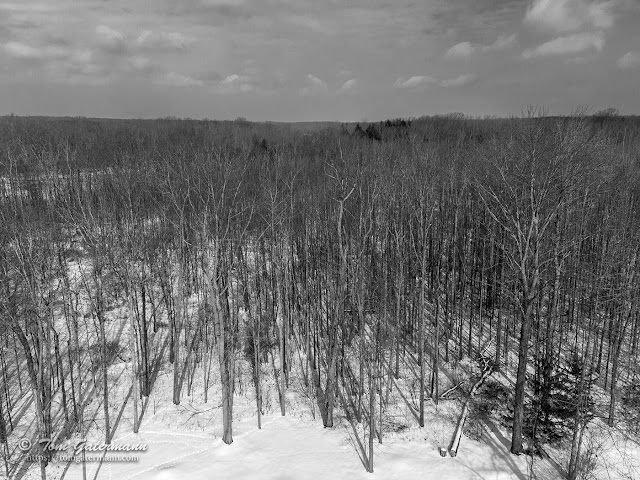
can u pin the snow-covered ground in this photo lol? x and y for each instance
(294, 448)
(184, 441)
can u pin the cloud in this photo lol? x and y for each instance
(231, 79)
(173, 79)
(46, 54)
(235, 83)
(310, 24)
(466, 49)
(314, 85)
(414, 82)
(22, 51)
(231, 84)
(142, 65)
(502, 42)
(570, 44)
(209, 77)
(477, 18)
(426, 81)
(461, 50)
(111, 40)
(349, 85)
(172, 41)
(212, 12)
(115, 42)
(579, 60)
(229, 8)
(570, 15)
(62, 62)
(58, 62)
(629, 60)
(458, 81)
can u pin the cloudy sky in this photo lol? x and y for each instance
(295, 60)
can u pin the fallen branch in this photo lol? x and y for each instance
(452, 389)
(487, 370)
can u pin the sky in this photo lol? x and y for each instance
(304, 60)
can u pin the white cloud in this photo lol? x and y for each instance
(231, 79)
(577, 60)
(414, 82)
(569, 44)
(173, 79)
(116, 42)
(110, 39)
(235, 83)
(461, 50)
(62, 62)
(314, 85)
(502, 42)
(22, 51)
(629, 60)
(458, 81)
(143, 65)
(570, 15)
(349, 85)
(163, 41)
(59, 63)
(51, 56)
(311, 24)
(466, 49)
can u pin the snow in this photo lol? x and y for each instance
(184, 441)
(294, 448)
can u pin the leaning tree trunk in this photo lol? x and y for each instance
(455, 441)
(3, 440)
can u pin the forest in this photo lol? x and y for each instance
(353, 267)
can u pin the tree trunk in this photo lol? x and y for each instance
(105, 361)
(176, 331)
(134, 361)
(455, 441)
(523, 351)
